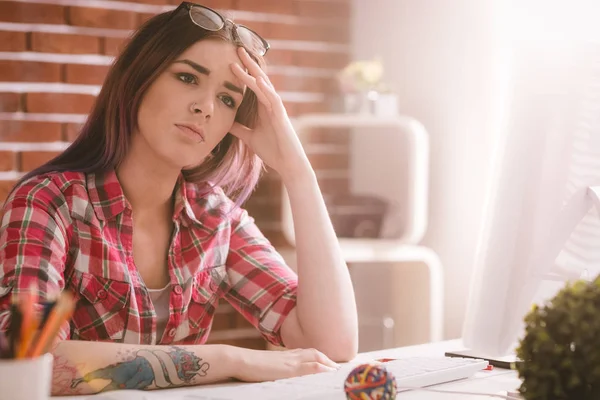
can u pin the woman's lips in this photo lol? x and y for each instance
(195, 133)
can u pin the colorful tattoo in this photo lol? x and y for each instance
(63, 374)
(164, 369)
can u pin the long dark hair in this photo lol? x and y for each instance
(104, 139)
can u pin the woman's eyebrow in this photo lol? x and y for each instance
(205, 71)
(201, 69)
(233, 88)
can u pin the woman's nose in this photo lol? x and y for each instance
(205, 108)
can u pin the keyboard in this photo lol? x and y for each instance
(409, 373)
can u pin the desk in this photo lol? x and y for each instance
(482, 382)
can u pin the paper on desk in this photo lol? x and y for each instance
(135, 395)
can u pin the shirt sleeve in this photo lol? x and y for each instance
(32, 245)
(262, 287)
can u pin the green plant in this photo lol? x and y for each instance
(561, 346)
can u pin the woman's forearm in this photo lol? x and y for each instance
(82, 367)
(326, 308)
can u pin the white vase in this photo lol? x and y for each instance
(371, 102)
(386, 105)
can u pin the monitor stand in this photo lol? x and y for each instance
(505, 362)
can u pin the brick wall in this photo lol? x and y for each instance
(54, 54)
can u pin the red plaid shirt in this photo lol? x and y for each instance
(74, 231)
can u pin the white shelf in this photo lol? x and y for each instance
(333, 120)
(418, 165)
(382, 251)
(397, 250)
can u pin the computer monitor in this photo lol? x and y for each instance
(542, 225)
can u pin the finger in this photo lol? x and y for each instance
(240, 131)
(270, 94)
(323, 359)
(314, 367)
(251, 83)
(254, 69)
(316, 355)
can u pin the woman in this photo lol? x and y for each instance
(140, 218)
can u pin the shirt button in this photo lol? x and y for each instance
(178, 289)
(172, 332)
(101, 294)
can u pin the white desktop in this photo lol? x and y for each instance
(328, 386)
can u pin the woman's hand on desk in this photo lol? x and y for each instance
(265, 365)
(82, 367)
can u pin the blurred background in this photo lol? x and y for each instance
(437, 66)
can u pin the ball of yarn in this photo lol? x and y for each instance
(370, 381)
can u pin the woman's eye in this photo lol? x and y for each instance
(187, 78)
(228, 101)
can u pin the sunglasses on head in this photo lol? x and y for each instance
(211, 20)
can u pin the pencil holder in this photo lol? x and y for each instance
(26, 379)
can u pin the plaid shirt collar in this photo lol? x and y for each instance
(108, 198)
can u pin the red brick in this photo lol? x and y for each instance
(275, 236)
(28, 71)
(290, 109)
(59, 103)
(30, 131)
(263, 202)
(113, 46)
(241, 322)
(33, 159)
(280, 57)
(320, 59)
(311, 108)
(7, 161)
(266, 6)
(223, 321)
(334, 186)
(302, 83)
(101, 18)
(12, 11)
(270, 186)
(338, 33)
(309, 32)
(297, 109)
(327, 135)
(9, 102)
(5, 187)
(72, 131)
(156, 2)
(12, 41)
(215, 4)
(333, 33)
(263, 211)
(66, 44)
(85, 74)
(322, 9)
(143, 17)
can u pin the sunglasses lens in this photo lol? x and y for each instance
(251, 40)
(206, 18)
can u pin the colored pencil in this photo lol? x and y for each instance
(3, 346)
(15, 327)
(30, 320)
(59, 314)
